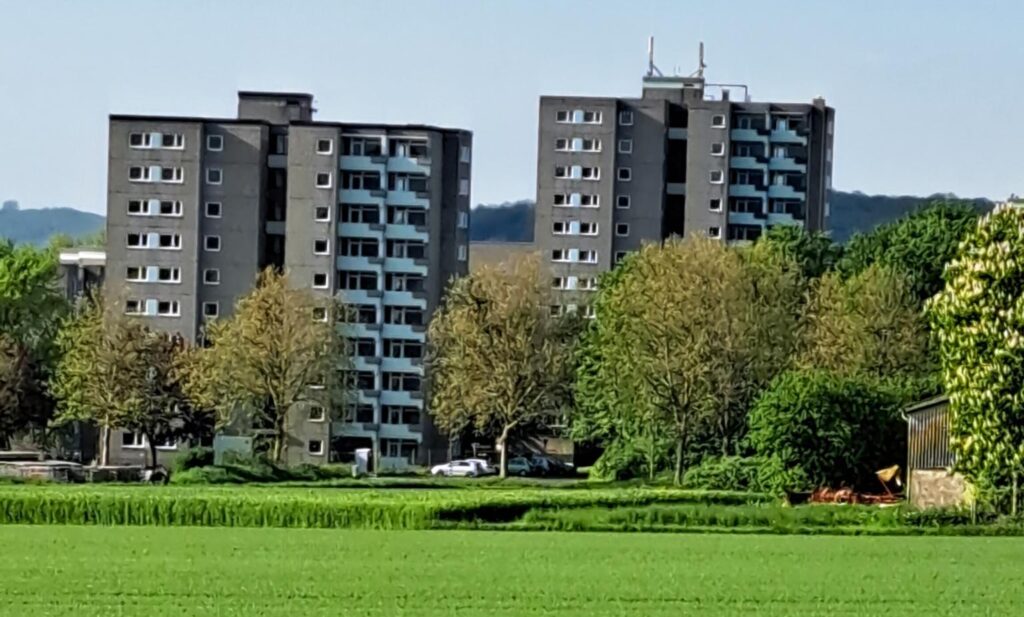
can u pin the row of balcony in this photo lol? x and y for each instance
(779, 136)
(382, 163)
(775, 191)
(775, 163)
(391, 231)
(387, 330)
(383, 431)
(382, 264)
(399, 365)
(415, 199)
(772, 219)
(416, 299)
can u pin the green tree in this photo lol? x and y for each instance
(813, 252)
(868, 323)
(826, 430)
(497, 356)
(271, 356)
(978, 321)
(917, 245)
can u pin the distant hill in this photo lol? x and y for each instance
(36, 226)
(850, 213)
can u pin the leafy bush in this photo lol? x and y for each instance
(820, 429)
(726, 473)
(200, 456)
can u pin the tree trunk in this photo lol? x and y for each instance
(277, 451)
(152, 450)
(679, 462)
(104, 446)
(503, 461)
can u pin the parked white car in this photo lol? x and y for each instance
(456, 468)
(485, 467)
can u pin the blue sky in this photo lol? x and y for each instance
(929, 94)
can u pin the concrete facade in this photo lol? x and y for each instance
(684, 158)
(377, 215)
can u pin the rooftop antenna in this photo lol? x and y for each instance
(651, 69)
(700, 63)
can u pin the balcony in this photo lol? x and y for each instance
(361, 296)
(352, 429)
(416, 333)
(363, 363)
(401, 431)
(365, 264)
(368, 397)
(416, 199)
(362, 230)
(402, 365)
(785, 163)
(403, 164)
(782, 218)
(745, 218)
(363, 196)
(677, 133)
(784, 191)
(362, 163)
(676, 188)
(746, 162)
(745, 190)
(406, 264)
(397, 231)
(406, 399)
(787, 136)
(360, 330)
(747, 135)
(406, 298)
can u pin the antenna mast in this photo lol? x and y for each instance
(651, 69)
(700, 63)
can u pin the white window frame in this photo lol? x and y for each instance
(319, 451)
(591, 256)
(216, 310)
(330, 146)
(175, 308)
(178, 175)
(563, 144)
(618, 202)
(563, 116)
(596, 174)
(145, 176)
(220, 176)
(624, 174)
(140, 277)
(207, 281)
(322, 220)
(215, 139)
(140, 307)
(327, 280)
(619, 230)
(595, 200)
(625, 146)
(464, 187)
(463, 252)
(138, 440)
(619, 256)
(465, 154)
(718, 121)
(220, 210)
(143, 207)
(711, 204)
(592, 229)
(721, 176)
(598, 116)
(173, 247)
(146, 140)
(463, 220)
(626, 117)
(206, 243)
(143, 241)
(321, 417)
(715, 232)
(177, 209)
(720, 146)
(330, 179)
(327, 245)
(173, 270)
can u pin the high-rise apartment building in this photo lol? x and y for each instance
(613, 173)
(377, 214)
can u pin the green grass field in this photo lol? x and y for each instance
(161, 571)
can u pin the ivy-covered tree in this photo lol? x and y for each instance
(917, 245)
(814, 252)
(978, 320)
(498, 358)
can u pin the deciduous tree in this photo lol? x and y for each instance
(497, 355)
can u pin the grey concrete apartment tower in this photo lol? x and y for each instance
(376, 214)
(613, 173)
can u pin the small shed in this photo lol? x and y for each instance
(931, 480)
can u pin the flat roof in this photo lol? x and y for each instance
(199, 119)
(927, 403)
(264, 94)
(354, 125)
(371, 125)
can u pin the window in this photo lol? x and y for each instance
(135, 274)
(359, 247)
(132, 440)
(214, 143)
(559, 255)
(592, 117)
(715, 177)
(556, 310)
(213, 209)
(321, 247)
(562, 144)
(402, 281)
(464, 187)
(587, 284)
(718, 149)
(463, 254)
(562, 171)
(401, 215)
(402, 348)
(625, 146)
(357, 280)
(211, 276)
(137, 241)
(169, 241)
(168, 275)
(622, 229)
(134, 307)
(562, 115)
(361, 146)
(590, 173)
(323, 180)
(590, 145)
(360, 180)
(589, 312)
(321, 213)
(463, 220)
(715, 205)
(168, 308)
(324, 146)
(588, 256)
(590, 201)
(359, 313)
(320, 280)
(625, 174)
(588, 229)
(211, 243)
(619, 256)
(138, 207)
(409, 249)
(360, 213)
(401, 382)
(403, 315)
(138, 174)
(412, 182)
(139, 140)
(560, 228)
(714, 232)
(319, 313)
(170, 208)
(465, 155)
(361, 347)
(211, 309)
(622, 201)
(718, 122)
(315, 447)
(175, 141)
(625, 118)
(172, 175)
(317, 413)
(392, 414)
(558, 283)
